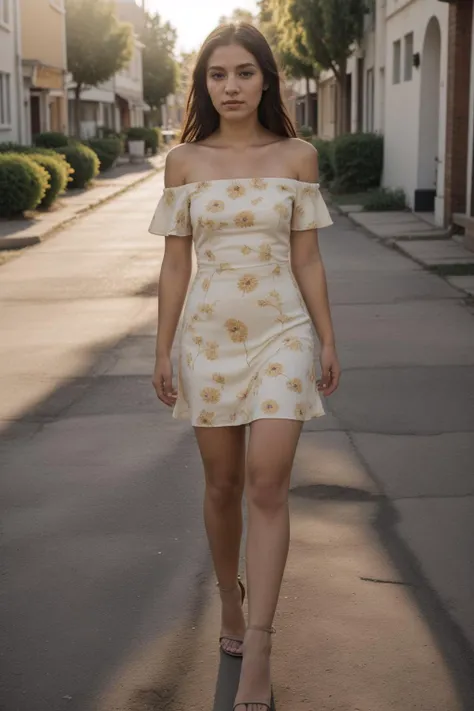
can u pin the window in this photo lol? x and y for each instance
(4, 12)
(369, 120)
(5, 100)
(408, 57)
(397, 60)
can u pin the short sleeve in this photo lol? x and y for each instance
(172, 215)
(309, 209)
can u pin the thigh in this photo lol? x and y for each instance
(271, 451)
(223, 453)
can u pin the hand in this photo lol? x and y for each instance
(163, 381)
(330, 370)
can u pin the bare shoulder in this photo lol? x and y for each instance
(304, 158)
(177, 164)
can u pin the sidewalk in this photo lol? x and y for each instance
(24, 232)
(429, 246)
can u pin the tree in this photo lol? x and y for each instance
(160, 70)
(238, 15)
(98, 46)
(328, 30)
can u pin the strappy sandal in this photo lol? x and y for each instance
(253, 705)
(228, 637)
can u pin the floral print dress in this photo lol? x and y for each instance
(246, 349)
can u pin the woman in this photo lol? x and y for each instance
(244, 189)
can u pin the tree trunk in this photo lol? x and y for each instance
(341, 123)
(308, 121)
(77, 111)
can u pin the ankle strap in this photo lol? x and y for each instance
(259, 628)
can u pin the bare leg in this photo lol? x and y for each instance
(270, 457)
(223, 455)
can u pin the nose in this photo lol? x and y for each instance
(231, 86)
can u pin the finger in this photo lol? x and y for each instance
(335, 376)
(168, 392)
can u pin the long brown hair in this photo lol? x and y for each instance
(202, 119)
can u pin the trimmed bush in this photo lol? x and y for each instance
(358, 161)
(385, 199)
(159, 144)
(140, 133)
(58, 171)
(305, 132)
(83, 161)
(324, 149)
(107, 150)
(51, 139)
(23, 184)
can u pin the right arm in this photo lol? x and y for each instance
(172, 287)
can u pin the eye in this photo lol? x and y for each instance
(247, 74)
(217, 75)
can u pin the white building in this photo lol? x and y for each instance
(12, 115)
(397, 86)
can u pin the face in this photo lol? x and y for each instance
(234, 82)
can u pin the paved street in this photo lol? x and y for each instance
(108, 598)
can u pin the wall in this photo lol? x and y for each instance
(43, 32)
(326, 106)
(9, 66)
(130, 79)
(402, 100)
(470, 160)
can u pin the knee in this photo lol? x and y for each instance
(224, 489)
(266, 490)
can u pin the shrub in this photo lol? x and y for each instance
(51, 139)
(325, 159)
(159, 144)
(358, 161)
(58, 171)
(149, 135)
(83, 161)
(23, 184)
(27, 150)
(107, 150)
(385, 199)
(305, 132)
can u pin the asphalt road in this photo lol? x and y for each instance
(108, 600)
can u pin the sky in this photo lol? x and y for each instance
(194, 19)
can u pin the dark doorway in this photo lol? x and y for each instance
(35, 109)
(348, 106)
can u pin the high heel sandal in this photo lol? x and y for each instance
(228, 637)
(248, 705)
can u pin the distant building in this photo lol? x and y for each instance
(44, 66)
(12, 117)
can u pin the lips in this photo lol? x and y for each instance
(233, 103)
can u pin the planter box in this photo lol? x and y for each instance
(136, 151)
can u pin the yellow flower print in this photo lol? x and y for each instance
(282, 210)
(256, 201)
(200, 187)
(237, 330)
(294, 344)
(211, 350)
(274, 370)
(169, 197)
(282, 318)
(259, 184)
(242, 395)
(295, 385)
(224, 267)
(210, 255)
(206, 223)
(265, 252)
(206, 283)
(245, 250)
(312, 226)
(210, 395)
(300, 411)
(181, 219)
(309, 190)
(219, 379)
(270, 407)
(312, 375)
(206, 309)
(247, 283)
(233, 417)
(215, 206)
(198, 340)
(189, 359)
(284, 188)
(206, 418)
(298, 211)
(236, 191)
(277, 270)
(244, 219)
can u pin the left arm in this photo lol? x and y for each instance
(310, 275)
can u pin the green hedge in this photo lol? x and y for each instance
(384, 199)
(149, 135)
(58, 171)
(23, 184)
(305, 132)
(325, 159)
(107, 150)
(51, 139)
(83, 161)
(358, 161)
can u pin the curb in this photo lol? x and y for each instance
(18, 243)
